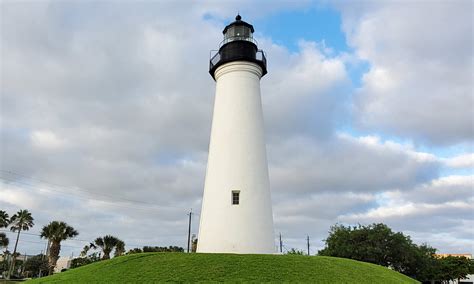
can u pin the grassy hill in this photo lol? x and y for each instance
(180, 267)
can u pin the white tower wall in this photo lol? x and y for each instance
(237, 161)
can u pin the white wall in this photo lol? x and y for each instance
(237, 161)
(63, 262)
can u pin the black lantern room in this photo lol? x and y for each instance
(238, 45)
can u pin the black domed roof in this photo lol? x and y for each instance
(238, 22)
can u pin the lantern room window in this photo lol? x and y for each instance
(238, 30)
(238, 33)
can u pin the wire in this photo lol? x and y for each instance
(80, 189)
(39, 235)
(31, 187)
(51, 188)
(150, 206)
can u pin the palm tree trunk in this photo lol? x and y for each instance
(14, 254)
(53, 255)
(48, 247)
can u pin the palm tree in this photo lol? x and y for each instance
(55, 232)
(84, 251)
(119, 248)
(22, 220)
(4, 221)
(107, 244)
(4, 240)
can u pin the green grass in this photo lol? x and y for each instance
(180, 267)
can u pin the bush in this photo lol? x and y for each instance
(163, 249)
(81, 261)
(378, 244)
(295, 252)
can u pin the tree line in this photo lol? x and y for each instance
(111, 242)
(55, 232)
(375, 243)
(378, 244)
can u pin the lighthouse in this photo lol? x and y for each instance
(236, 215)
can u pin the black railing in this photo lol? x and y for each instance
(215, 58)
(260, 56)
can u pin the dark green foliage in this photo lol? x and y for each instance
(4, 219)
(375, 243)
(4, 241)
(108, 243)
(135, 250)
(294, 251)
(21, 221)
(36, 264)
(156, 249)
(81, 261)
(163, 249)
(119, 248)
(378, 244)
(55, 232)
(452, 267)
(3, 266)
(228, 268)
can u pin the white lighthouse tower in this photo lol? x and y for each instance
(236, 215)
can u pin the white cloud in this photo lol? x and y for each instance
(441, 207)
(46, 139)
(461, 161)
(344, 163)
(420, 80)
(303, 92)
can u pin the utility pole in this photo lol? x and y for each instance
(189, 227)
(281, 245)
(307, 242)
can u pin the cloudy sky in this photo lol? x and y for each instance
(106, 110)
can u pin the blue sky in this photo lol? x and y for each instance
(368, 107)
(321, 23)
(318, 24)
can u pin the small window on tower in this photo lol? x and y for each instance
(235, 197)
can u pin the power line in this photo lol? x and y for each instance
(67, 187)
(81, 189)
(42, 243)
(39, 235)
(73, 192)
(69, 193)
(111, 203)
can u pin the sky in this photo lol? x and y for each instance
(106, 110)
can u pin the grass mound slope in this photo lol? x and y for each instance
(180, 267)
